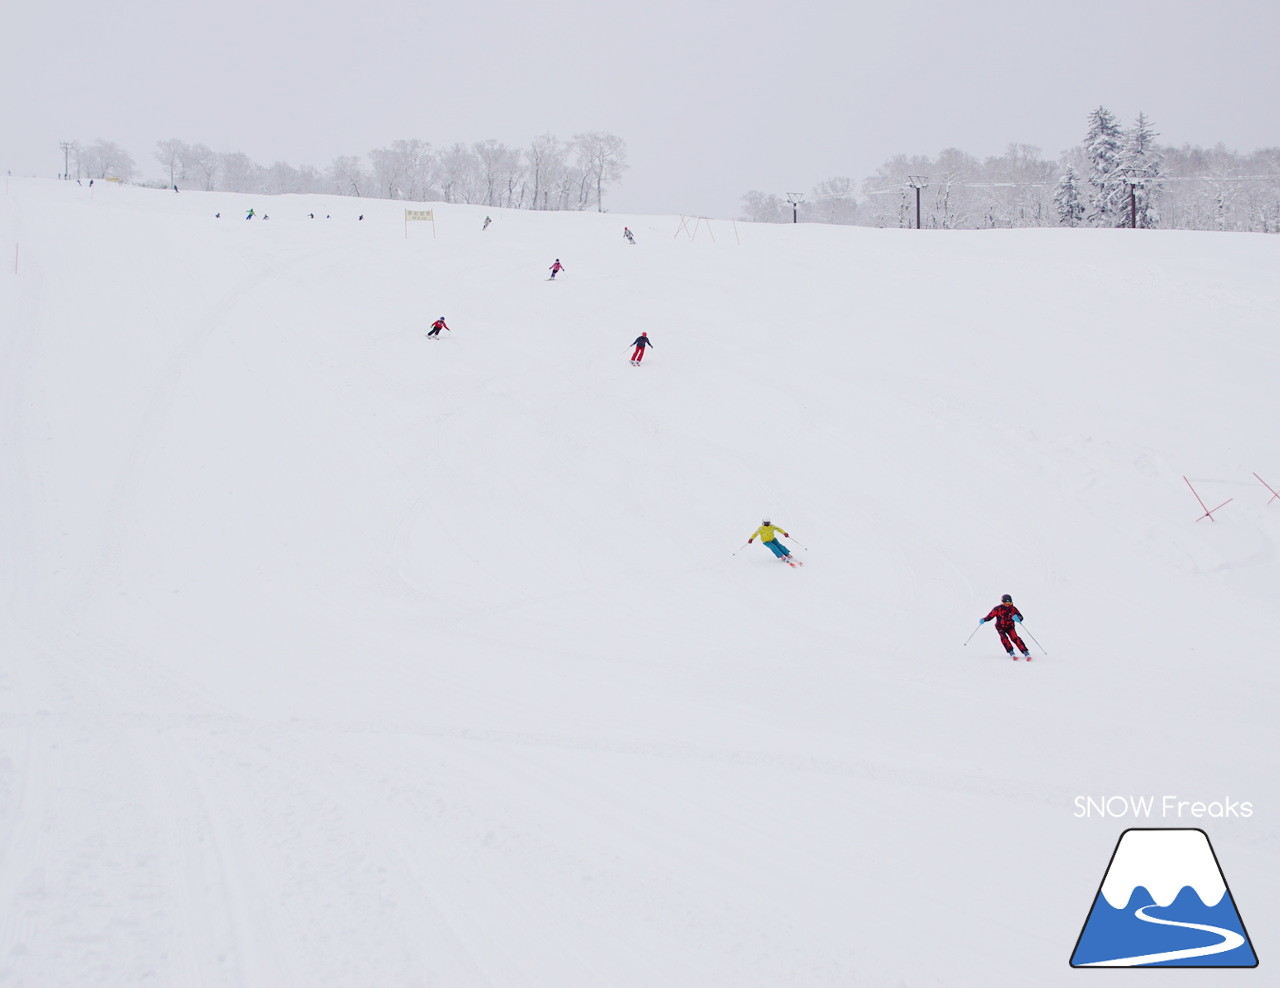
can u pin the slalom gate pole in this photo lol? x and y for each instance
(974, 632)
(1033, 638)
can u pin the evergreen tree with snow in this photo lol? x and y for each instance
(1142, 164)
(1066, 198)
(1104, 145)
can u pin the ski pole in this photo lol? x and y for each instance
(799, 543)
(974, 632)
(1033, 638)
(740, 548)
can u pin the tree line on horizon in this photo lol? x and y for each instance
(1112, 177)
(550, 173)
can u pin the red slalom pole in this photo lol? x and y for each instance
(1207, 513)
(1274, 495)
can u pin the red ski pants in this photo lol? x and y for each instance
(1008, 635)
(638, 355)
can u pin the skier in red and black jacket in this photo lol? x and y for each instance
(641, 342)
(1005, 616)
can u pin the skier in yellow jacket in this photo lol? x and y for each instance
(768, 535)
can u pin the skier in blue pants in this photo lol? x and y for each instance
(768, 535)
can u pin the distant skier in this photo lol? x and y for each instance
(626, 232)
(487, 221)
(768, 533)
(641, 342)
(556, 269)
(1006, 616)
(249, 215)
(436, 327)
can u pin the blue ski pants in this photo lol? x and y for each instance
(777, 548)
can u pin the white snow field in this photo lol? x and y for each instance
(333, 655)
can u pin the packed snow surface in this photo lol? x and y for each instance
(333, 655)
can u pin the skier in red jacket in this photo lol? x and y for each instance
(1005, 616)
(556, 269)
(436, 327)
(641, 342)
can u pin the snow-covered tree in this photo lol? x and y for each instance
(603, 157)
(833, 201)
(200, 163)
(347, 176)
(548, 159)
(765, 207)
(499, 171)
(1012, 189)
(1104, 144)
(397, 171)
(1142, 165)
(1179, 188)
(459, 175)
(106, 159)
(238, 172)
(172, 154)
(283, 178)
(1067, 200)
(950, 205)
(418, 166)
(576, 189)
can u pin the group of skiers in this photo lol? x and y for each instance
(641, 341)
(252, 213)
(1005, 615)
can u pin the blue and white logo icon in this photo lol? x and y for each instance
(1164, 902)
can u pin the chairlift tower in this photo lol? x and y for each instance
(918, 182)
(795, 199)
(1134, 182)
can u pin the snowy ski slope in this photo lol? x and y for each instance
(337, 656)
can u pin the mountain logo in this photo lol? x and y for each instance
(1164, 902)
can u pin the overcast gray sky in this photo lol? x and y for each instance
(713, 98)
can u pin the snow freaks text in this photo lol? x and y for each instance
(1163, 807)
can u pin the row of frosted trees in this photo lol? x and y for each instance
(1114, 176)
(548, 174)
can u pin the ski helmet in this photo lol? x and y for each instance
(764, 521)
(1006, 599)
